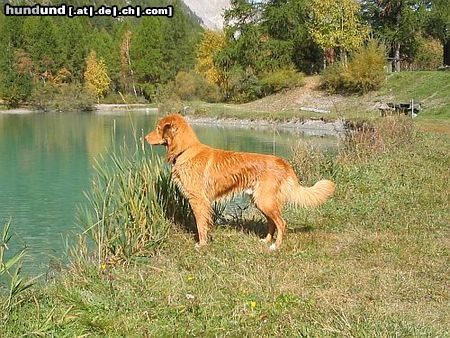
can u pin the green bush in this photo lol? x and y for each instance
(167, 99)
(332, 78)
(284, 78)
(428, 55)
(366, 70)
(15, 88)
(363, 73)
(246, 85)
(148, 90)
(117, 98)
(63, 97)
(243, 85)
(186, 85)
(191, 85)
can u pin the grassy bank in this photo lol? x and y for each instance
(431, 88)
(373, 261)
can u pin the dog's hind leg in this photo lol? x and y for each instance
(270, 230)
(281, 230)
(203, 218)
(274, 220)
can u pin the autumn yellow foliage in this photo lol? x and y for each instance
(96, 77)
(211, 43)
(335, 24)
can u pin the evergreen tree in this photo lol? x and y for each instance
(41, 43)
(15, 86)
(438, 25)
(398, 23)
(180, 38)
(146, 50)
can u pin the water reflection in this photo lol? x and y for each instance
(46, 163)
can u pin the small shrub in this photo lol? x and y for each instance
(62, 97)
(191, 85)
(117, 98)
(428, 55)
(186, 85)
(363, 73)
(169, 102)
(15, 88)
(208, 92)
(284, 78)
(332, 79)
(243, 85)
(43, 96)
(148, 90)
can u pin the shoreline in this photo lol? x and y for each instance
(310, 127)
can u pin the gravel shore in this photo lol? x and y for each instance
(308, 127)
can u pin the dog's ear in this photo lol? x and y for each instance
(169, 129)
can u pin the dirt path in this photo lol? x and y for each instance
(307, 96)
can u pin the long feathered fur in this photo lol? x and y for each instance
(205, 174)
(313, 196)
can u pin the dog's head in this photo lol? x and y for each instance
(165, 131)
(175, 133)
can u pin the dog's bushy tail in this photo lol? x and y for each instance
(309, 196)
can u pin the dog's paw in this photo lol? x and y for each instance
(273, 247)
(199, 246)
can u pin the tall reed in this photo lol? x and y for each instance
(12, 282)
(130, 205)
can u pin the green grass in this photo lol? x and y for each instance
(432, 88)
(373, 261)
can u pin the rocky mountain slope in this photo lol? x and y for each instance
(209, 11)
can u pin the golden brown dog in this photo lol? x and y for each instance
(205, 174)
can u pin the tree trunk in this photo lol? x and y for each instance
(131, 69)
(447, 53)
(397, 57)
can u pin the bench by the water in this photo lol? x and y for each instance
(407, 108)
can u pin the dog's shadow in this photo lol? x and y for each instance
(254, 225)
(258, 227)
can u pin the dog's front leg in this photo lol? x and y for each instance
(203, 217)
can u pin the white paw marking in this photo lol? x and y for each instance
(273, 247)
